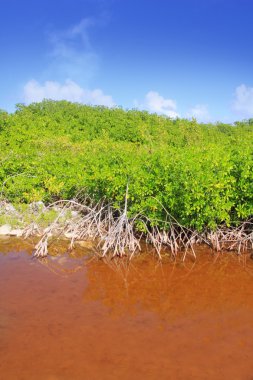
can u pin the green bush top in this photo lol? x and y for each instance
(201, 174)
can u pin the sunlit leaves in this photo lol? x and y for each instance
(200, 174)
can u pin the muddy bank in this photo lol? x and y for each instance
(72, 317)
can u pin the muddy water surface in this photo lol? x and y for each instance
(71, 318)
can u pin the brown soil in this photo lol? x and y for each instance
(71, 318)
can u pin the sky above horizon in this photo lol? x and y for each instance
(186, 58)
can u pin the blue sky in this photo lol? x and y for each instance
(187, 58)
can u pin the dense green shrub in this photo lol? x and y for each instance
(201, 174)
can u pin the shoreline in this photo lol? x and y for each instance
(96, 227)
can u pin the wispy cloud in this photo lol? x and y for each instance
(72, 55)
(154, 102)
(73, 62)
(199, 112)
(69, 90)
(243, 100)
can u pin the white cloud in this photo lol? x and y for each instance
(243, 102)
(69, 90)
(199, 112)
(154, 102)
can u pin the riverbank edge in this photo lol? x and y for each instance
(97, 226)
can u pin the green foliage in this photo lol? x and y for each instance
(200, 174)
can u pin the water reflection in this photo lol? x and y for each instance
(71, 316)
(169, 289)
(166, 288)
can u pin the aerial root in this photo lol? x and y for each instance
(116, 232)
(120, 237)
(176, 238)
(120, 234)
(41, 249)
(238, 238)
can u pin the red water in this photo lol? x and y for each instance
(69, 318)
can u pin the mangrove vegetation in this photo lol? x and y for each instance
(131, 175)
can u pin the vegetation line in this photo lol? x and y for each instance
(186, 182)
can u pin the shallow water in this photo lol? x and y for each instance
(71, 318)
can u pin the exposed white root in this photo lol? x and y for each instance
(120, 235)
(238, 238)
(31, 230)
(41, 249)
(117, 235)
